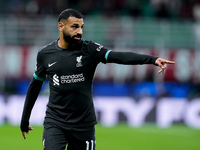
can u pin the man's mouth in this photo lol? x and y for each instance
(77, 37)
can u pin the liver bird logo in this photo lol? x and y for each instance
(79, 61)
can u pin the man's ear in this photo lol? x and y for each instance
(60, 26)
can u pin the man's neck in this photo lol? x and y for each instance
(63, 44)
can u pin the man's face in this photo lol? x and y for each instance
(73, 30)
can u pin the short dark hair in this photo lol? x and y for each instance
(65, 14)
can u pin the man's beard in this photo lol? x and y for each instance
(71, 40)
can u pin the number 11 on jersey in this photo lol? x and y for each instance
(88, 145)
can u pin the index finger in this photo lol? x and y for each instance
(169, 62)
(23, 134)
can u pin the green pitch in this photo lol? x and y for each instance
(120, 137)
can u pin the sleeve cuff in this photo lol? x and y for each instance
(38, 78)
(106, 55)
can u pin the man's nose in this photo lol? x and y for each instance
(80, 31)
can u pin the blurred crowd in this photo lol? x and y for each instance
(182, 10)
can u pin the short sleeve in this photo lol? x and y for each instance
(100, 52)
(40, 73)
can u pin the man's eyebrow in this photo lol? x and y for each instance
(77, 24)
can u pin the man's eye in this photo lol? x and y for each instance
(74, 26)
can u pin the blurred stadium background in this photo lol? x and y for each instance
(133, 102)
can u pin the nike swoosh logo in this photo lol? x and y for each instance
(49, 65)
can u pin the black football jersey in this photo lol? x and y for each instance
(70, 73)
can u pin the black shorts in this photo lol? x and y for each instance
(56, 138)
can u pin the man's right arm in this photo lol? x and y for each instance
(31, 96)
